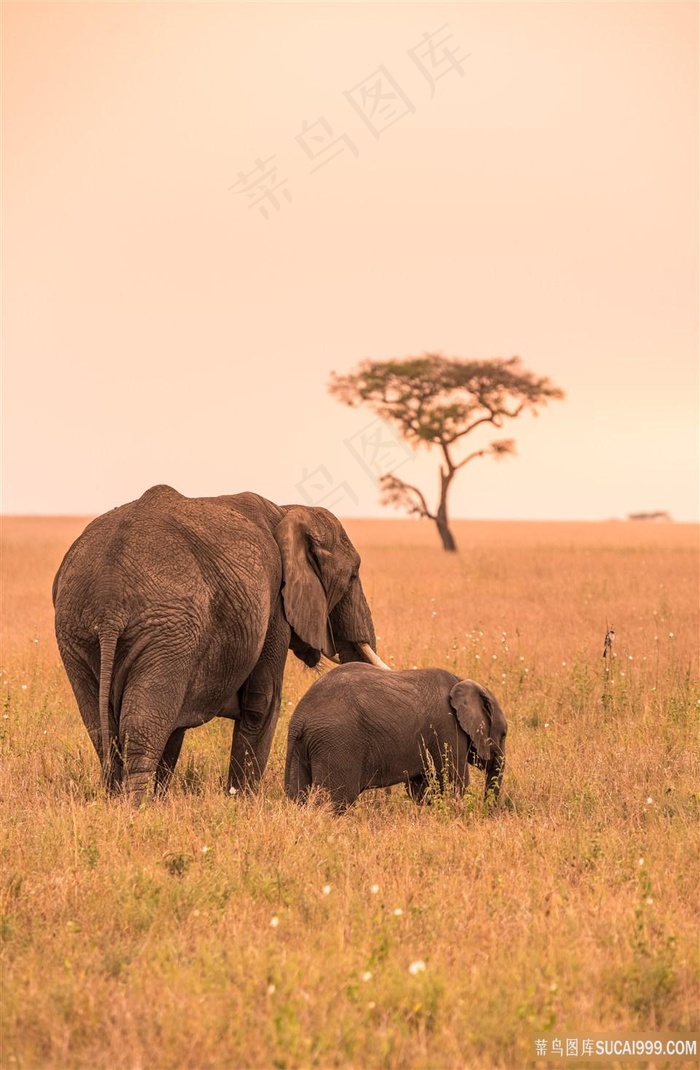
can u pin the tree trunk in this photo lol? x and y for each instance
(448, 540)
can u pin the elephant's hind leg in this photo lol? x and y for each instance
(168, 761)
(342, 798)
(84, 681)
(149, 744)
(343, 784)
(297, 772)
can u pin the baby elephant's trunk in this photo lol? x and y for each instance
(495, 768)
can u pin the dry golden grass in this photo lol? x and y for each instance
(574, 907)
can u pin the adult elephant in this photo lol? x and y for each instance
(171, 611)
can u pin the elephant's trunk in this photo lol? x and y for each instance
(369, 655)
(495, 768)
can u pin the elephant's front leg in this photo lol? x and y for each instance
(259, 702)
(417, 787)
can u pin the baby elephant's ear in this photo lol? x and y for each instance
(468, 702)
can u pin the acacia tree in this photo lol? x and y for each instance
(436, 401)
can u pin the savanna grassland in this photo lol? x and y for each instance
(210, 932)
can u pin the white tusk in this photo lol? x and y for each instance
(369, 655)
(329, 663)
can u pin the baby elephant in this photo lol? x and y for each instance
(361, 727)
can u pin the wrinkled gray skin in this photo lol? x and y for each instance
(359, 727)
(171, 611)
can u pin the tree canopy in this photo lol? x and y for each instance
(435, 401)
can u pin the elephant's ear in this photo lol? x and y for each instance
(303, 595)
(469, 701)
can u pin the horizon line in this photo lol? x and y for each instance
(407, 519)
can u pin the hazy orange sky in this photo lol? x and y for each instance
(522, 181)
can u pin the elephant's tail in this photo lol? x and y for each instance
(297, 772)
(108, 647)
